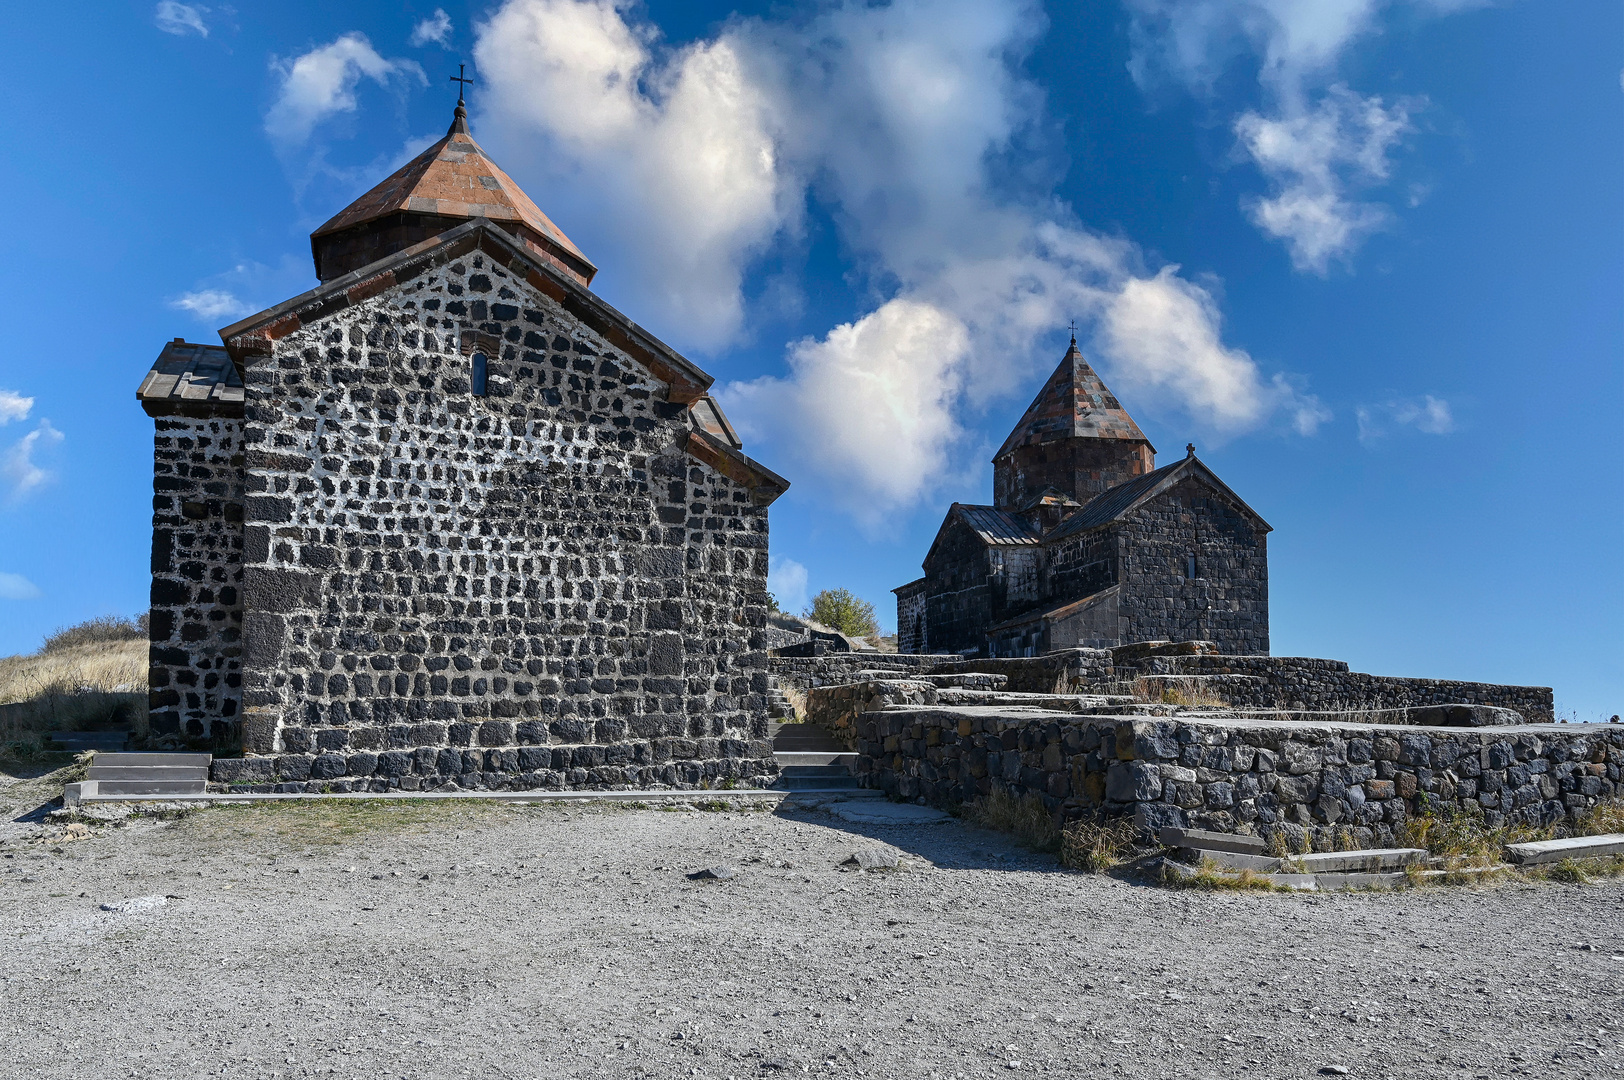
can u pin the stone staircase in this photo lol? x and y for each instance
(811, 761)
(147, 774)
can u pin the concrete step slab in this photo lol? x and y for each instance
(1573, 847)
(816, 783)
(1205, 840)
(147, 772)
(788, 758)
(151, 787)
(888, 813)
(1368, 860)
(193, 760)
(80, 741)
(1228, 860)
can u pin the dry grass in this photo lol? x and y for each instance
(1190, 693)
(71, 688)
(107, 667)
(1098, 844)
(1026, 818)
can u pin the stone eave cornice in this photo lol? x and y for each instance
(1172, 475)
(764, 484)
(254, 336)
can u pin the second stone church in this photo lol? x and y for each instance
(1088, 544)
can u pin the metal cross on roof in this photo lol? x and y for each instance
(1074, 331)
(457, 78)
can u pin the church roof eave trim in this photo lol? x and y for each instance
(253, 336)
(1113, 504)
(764, 484)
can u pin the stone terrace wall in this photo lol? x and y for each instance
(533, 588)
(834, 669)
(1290, 682)
(195, 673)
(1243, 776)
(1065, 671)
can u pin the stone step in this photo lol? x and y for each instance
(151, 787)
(1211, 841)
(843, 782)
(1368, 860)
(147, 772)
(1575, 847)
(796, 758)
(193, 760)
(814, 770)
(80, 741)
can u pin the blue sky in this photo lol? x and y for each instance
(1366, 255)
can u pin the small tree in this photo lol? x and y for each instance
(843, 611)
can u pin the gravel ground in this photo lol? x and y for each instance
(511, 941)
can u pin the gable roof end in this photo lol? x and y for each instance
(1115, 503)
(253, 337)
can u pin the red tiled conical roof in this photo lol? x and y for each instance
(450, 182)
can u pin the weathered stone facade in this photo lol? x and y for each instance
(1088, 545)
(487, 540)
(1244, 775)
(195, 671)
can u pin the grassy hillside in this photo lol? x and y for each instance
(89, 677)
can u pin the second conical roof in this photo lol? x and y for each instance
(1074, 403)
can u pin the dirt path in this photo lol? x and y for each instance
(451, 940)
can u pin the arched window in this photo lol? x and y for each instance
(478, 378)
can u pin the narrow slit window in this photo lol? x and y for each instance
(478, 378)
(1189, 567)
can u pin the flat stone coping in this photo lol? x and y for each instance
(1026, 712)
(73, 795)
(1573, 847)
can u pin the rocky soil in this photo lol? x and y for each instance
(510, 941)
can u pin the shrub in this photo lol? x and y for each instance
(97, 631)
(1096, 844)
(1026, 818)
(846, 613)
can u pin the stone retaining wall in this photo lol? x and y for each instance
(805, 672)
(1249, 776)
(1291, 682)
(1065, 671)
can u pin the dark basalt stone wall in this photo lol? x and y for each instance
(533, 588)
(195, 673)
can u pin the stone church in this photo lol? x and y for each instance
(1088, 544)
(450, 520)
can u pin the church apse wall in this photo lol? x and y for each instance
(530, 587)
(1225, 601)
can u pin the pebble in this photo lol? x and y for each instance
(721, 872)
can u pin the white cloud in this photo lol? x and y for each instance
(1428, 414)
(321, 83)
(870, 407)
(435, 28)
(671, 164)
(212, 305)
(677, 170)
(13, 406)
(17, 587)
(1313, 143)
(20, 472)
(1164, 332)
(786, 580)
(181, 19)
(1312, 159)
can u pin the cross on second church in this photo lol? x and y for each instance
(462, 82)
